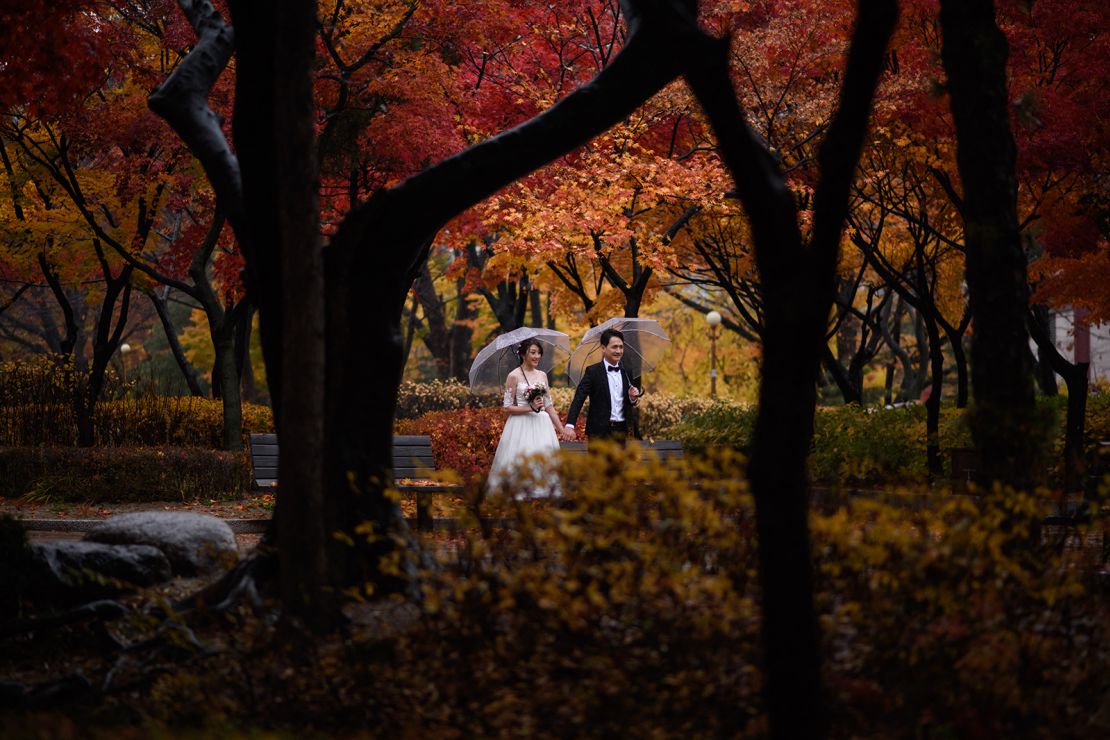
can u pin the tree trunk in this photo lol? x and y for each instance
(437, 338)
(227, 371)
(799, 286)
(461, 333)
(955, 340)
(243, 317)
(106, 341)
(536, 307)
(893, 337)
(1003, 419)
(1075, 375)
(848, 390)
(932, 403)
(1046, 376)
(187, 370)
(275, 142)
(1074, 463)
(364, 367)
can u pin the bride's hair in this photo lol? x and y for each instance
(522, 349)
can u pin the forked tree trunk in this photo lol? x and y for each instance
(106, 340)
(1076, 378)
(799, 286)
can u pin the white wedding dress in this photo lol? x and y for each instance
(526, 436)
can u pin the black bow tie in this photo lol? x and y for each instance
(613, 369)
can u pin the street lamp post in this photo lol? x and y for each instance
(713, 318)
(124, 350)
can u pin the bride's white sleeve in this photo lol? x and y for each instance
(508, 399)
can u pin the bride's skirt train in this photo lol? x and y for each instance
(531, 439)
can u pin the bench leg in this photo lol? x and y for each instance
(423, 511)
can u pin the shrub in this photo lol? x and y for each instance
(950, 623)
(660, 412)
(720, 425)
(854, 445)
(93, 475)
(605, 617)
(868, 446)
(463, 440)
(632, 610)
(1098, 418)
(150, 421)
(47, 380)
(416, 399)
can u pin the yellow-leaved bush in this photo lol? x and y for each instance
(629, 607)
(964, 617)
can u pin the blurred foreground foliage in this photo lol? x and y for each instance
(631, 609)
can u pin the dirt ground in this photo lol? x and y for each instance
(260, 506)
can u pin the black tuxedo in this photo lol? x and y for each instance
(595, 387)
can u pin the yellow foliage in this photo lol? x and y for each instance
(630, 607)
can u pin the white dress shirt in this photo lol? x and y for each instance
(616, 392)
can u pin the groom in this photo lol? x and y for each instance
(610, 391)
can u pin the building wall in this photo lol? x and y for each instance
(1063, 331)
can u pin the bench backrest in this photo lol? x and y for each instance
(663, 448)
(412, 457)
(264, 460)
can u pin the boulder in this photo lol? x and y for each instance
(194, 543)
(76, 571)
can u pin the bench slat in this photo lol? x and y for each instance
(664, 444)
(663, 448)
(411, 439)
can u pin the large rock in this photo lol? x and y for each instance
(77, 571)
(194, 543)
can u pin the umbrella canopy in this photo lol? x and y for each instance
(644, 345)
(499, 357)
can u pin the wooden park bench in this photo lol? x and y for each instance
(413, 460)
(668, 450)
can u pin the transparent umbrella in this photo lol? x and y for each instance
(644, 345)
(499, 357)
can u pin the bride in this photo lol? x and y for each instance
(528, 430)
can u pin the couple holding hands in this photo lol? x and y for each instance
(529, 431)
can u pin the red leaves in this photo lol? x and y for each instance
(53, 54)
(462, 440)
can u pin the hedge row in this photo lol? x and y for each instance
(871, 446)
(151, 421)
(128, 474)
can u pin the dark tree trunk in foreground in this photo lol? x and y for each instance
(1003, 417)
(274, 114)
(799, 285)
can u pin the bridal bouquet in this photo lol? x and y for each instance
(536, 391)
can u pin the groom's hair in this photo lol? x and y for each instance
(609, 334)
